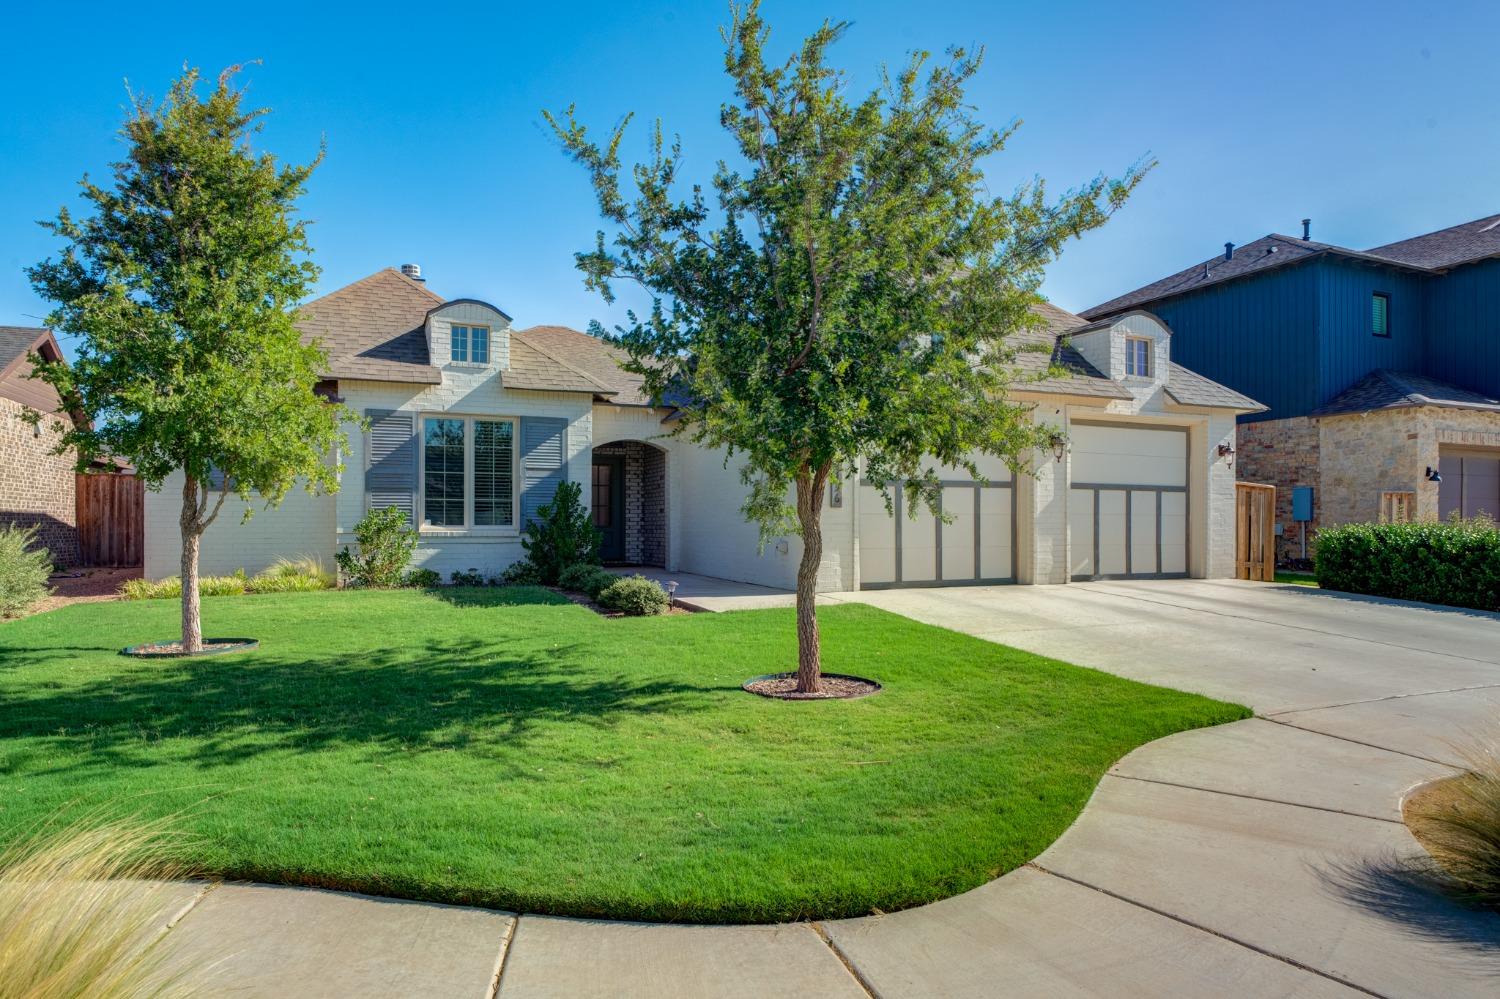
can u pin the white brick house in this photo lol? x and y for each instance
(473, 424)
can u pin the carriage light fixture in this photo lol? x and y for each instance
(1059, 446)
(1433, 475)
(1227, 453)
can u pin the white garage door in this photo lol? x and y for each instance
(1127, 506)
(975, 547)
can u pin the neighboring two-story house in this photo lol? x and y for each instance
(472, 425)
(1380, 370)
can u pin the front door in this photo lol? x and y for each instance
(609, 506)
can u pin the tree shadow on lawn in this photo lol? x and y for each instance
(443, 695)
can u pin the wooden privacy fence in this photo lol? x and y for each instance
(111, 512)
(1255, 531)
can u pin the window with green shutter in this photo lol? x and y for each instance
(1380, 314)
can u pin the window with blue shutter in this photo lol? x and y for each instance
(391, 461)
(1380, 314)
(544, 462)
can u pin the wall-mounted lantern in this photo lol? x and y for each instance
(1227, 453)
(1059, 446)
(1433, 475)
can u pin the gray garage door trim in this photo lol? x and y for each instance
(899, 516)
(1096, 489)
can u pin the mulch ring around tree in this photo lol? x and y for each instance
(173, 649)
(836, 687)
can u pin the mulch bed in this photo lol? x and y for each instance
(173, 650)
(836, 687)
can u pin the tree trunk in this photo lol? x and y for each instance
(191, 522)
(810, 487)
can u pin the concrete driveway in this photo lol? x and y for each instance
(1262, 857)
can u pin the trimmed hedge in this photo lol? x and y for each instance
(635, 595)
(1455, 562)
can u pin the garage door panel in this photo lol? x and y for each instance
(877, 538)
(918, 547)
(996, 511)
(1081, 532)
(958, 533)
(1140, 531)
(1174, 532)
(1111, 542)
(1128, 455)
(1143, 530)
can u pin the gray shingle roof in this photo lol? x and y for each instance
(374, 328)
(1447, 247)
(1189, 388)
(1433, 251)
(1385, 389)
(15, 341)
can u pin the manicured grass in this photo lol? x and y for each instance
(1296, 578)
(505, 748)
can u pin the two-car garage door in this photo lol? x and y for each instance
(1127, 505)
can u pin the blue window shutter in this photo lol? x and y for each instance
(544, 462)
(391, 461)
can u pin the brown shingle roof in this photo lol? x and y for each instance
(535, 367)
(374, 328)
(589, 354)
(16, 341)
(1447, 247)
(1385, 389)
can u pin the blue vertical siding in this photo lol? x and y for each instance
(1258, 335)
(1463, 327)
(1348, 350)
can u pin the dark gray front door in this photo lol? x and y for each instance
(609, 506)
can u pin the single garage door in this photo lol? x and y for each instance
(1127, 503)
(1471, 483)
(975, 547)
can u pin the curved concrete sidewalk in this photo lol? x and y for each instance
(1258, 858)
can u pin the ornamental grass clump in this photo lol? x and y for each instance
(1454, 562)
(1458, 821)
(303, 573)
(23, 570)
(635, 595)
(79, 915)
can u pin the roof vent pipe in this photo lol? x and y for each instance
(413, 271)
(1228, 251)
(1307, 228)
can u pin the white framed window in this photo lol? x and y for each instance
(469, 344)
(468, 472)
(1138, 356)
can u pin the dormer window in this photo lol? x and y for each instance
(471, 344)
(1138, 356)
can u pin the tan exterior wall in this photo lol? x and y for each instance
(37, 486)
(1284, 454)
(1365, 454)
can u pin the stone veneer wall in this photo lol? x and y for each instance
(645, 501)
(36, 486)
(1283, 453)
(1365, 454)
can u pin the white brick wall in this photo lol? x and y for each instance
(301, 525)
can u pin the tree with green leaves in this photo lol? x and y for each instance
(845, 296)
(180, 285)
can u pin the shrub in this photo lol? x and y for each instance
(171, 587)
(292, 576)
(422, 578)
(1458, 820)
(521, 573)
(473, 577)
(23, 570)
(1456, 562)
(385, 548)
(588, 579)
(562, 535)
(634, 595)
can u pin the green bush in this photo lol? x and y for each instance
(562, 535)
(23, 570)
(521, 573)
(1456, 562)
(587, 579)
(473, 577)
(385, 549)
(422, 579)
(635, 595)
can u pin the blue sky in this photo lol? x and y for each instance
(1378, 120)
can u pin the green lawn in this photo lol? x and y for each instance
(509, 749)
(1296, 578)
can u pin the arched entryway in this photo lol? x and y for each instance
(629, 502)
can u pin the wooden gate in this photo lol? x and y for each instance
(111, 512)
(1255, 531)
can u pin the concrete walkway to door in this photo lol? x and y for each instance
(1254, 859)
